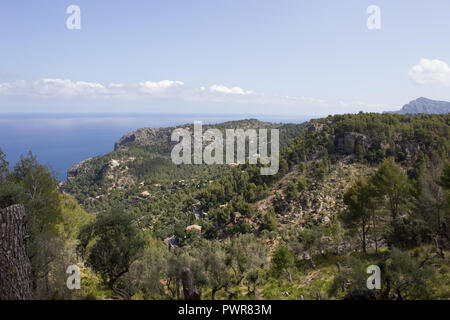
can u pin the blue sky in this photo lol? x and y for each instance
(247, 56)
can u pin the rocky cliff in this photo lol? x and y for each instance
(144, 137)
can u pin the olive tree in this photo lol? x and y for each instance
(111, 244)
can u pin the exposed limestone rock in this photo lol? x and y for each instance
(107, 171)
(78, 169)
(315, 127)
(194, 227)
(349, 140)
(144, 137)
(145, 194)
(171, 242)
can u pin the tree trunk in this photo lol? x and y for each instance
(289, 276)
(255, 291)
(364, 240)
(231, 294)
(311, 260)
(189, 290)
(399, 294)
(177, 288)
(375, 231)
(122, 293)
(14, 263)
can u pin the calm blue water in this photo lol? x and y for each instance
(61, 141)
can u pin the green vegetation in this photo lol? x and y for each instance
(352, 191)
(118, 244)
(53, 221)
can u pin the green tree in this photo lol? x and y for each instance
(282, 260)
(291, 192)
(146, 273)
(408, 278)
(178, 259)
(350, 281)
(336, 232)
(302, 185)
(240, 205)
(360, 204)
(212, 258)
(243, 254)
(430, 205)
(111, 244)
(53, 220)
(309, 240)
(44, 215)
(445, 178)
(391, 181)
(393, 188)
(445, 182)
(11, 193)
(73, 217)
(269, 220)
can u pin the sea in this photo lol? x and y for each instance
(62, 140)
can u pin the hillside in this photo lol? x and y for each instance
(141, 162)
(304, 215)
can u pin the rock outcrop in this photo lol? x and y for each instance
(78, 169)
(144, 137)
(348, 141)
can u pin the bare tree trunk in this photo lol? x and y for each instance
(177, 288)
(122, 293)
(364, 240)
(231, 294)
(375, 235)
(14, 262)
(289, 275)
(311, 260)
(255, 291)
(189, 290)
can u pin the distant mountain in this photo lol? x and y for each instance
(424, 105)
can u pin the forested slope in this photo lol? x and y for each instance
(352, 191)
(349, 183)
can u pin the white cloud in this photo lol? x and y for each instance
(65, 88)
(226, 90)
(116, 85)
(164, 84)
(52, 88)
(431, 72)
(61, 90)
